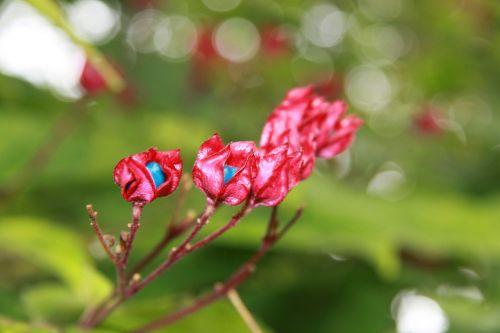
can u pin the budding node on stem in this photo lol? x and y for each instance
(109, 239)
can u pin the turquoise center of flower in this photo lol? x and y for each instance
(229, 172)
(156, 172)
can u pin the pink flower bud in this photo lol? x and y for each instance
(309, 124)
(145, 176)
(223, 172)
(274, 174)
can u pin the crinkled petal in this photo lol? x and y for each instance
(210, 146)
(271, 183)
(171, 165)
(341, 139)
(135, 183)
(208, 173)
(238, 188)
(240, 150)
(135, 180)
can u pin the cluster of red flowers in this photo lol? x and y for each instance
(302, 128)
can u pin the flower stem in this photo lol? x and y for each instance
(173, 230)
(134, 226)
(218, 292)
(176, 253)
(93, 316)
(100, 236)
(233, 222)
(172, 233)
(221, 290)
(122, 265)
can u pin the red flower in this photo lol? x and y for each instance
(427, 121)
(205, 50)
(311, 125)
(274, 174)
(91, 80)
(145, 176)
(275, 40)
(223, 172)
(335, 133)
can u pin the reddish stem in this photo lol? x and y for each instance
(271, 237)
(176, 253)
(122, 264)
(100, 236)
(172, 233)
(134, 226)
(91, 318)
(232, 223)
(173, 230)
(218, 292)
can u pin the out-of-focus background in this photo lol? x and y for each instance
(400, 234)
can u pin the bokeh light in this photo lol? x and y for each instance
(221, 5)
(142, 29)
(237, 40)
(94, 20)
(175, 37)
(324, 25)
(369, 88)
(418, 314)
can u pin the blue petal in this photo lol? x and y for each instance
(229, 172)
(156, 172)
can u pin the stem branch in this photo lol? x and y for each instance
(270, 238)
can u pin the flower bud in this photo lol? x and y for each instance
(223, 172)
(274, 175)
(145, 176)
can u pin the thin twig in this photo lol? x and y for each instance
(176, 253)
(270, 238)
(218, 292)
(170, 235)
(243, 311)
(173, 230)
(100, 236)
(232, 223)
(129, 241)
(293, 220)
(134, 226)
(120, 261)
(273, 222)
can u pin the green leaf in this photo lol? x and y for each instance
(51, 303)
(219, 316)
(11, 326)
(58, 251)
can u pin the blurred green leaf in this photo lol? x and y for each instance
(58, 251)
(219, 316)
(11, 326)
(468, 316)
(340, 220)
(51, 303)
